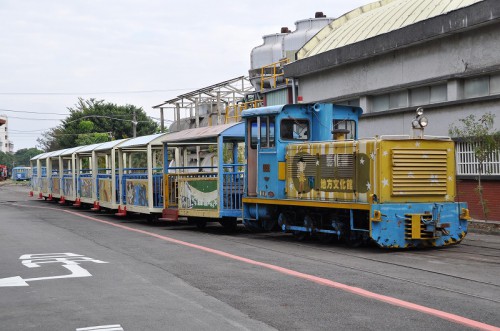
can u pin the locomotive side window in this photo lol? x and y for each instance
(267, 136)
(294, 129)
(347, 127)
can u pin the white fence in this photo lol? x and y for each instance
(467, 163)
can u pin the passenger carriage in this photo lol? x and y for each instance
(40, 181)
(108, 176)
(21, 173)
(204, 174)
(68, 175)
(35, 176)
(54, 167)
(86, 174)
(140, 172)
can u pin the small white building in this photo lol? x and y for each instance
(6, 145)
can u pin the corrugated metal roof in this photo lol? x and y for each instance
(70, 151)
(141, 141)
(375, 19)
(202, 133)
(89, 148)
(110, 144)
(59, 152)
(39, 156)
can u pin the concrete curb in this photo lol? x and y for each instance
(486, 227)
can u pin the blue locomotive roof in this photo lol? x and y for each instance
(271, 110)
(262, 111)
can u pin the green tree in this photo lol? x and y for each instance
(6, 159)
(485, 141)
(20, 158)
(93, 121)
(23, 156)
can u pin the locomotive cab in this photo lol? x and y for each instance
(268, 131)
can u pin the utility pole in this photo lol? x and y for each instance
(134, 124)
(162, 120)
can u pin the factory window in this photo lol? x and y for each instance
(428, 94)
(495, 84)
(381, 102)
(420, 96)
(477, 87)
(294, 129)
(439, 93)
(398, 99)
(392, 100)
(352, 102)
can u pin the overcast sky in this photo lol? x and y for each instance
(54, 51)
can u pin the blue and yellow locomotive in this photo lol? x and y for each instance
(309, 174)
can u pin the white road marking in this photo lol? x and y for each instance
(115, 327)
(70, 261)
(76, 271)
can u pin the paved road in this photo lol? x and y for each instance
(127, 273)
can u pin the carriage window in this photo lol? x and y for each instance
(347, 127)
(294, 129)
(267, 136)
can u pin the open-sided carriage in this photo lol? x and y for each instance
(204, 174)
(108, 175)
(140, 175)
(39, 180)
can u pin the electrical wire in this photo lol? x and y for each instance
(108, 92)
(33, 112)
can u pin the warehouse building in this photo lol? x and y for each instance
(392, 56)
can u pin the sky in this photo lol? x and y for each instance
(138, 52)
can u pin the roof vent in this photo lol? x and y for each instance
(285, 30)
(319, 14)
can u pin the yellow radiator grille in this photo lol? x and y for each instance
(419, 172)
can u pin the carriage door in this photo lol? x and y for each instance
(267, 167)
(252, 133)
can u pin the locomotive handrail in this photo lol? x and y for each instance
(408, 137)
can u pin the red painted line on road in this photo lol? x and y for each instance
(318, 280)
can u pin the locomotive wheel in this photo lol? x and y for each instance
(270, 224)
(285, 218)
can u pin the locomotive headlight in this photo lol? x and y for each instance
(415, 124)
(423, 121)
(420, 111)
